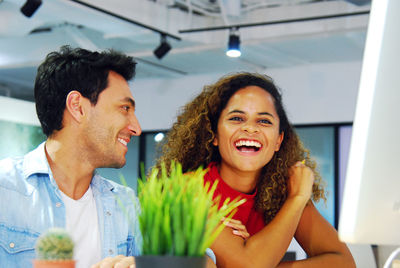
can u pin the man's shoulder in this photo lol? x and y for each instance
(11, 169)
(121, 189)
(115, 187)
(21, 167)
(13, 177)
(125, 196)
(10, 163)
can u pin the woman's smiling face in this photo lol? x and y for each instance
(248, 130)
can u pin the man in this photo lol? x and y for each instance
(87, 112)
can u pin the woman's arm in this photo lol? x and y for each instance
(321, 243)
(267, 247)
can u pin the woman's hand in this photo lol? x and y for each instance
(238, 228)
(300, 182)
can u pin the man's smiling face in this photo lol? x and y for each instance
(111, 123)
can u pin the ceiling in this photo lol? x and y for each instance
(134, 26)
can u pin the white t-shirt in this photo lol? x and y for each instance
(82, 223)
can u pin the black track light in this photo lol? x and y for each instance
(163, 48)
(30, 7)
(233, 44)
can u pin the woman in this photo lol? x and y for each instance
(238, 128)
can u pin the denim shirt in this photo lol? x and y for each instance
(30, 203)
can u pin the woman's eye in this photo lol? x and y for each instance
(265, 121)
(236, 118)
(126, 107)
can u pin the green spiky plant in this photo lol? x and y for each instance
(178, 214)
(54, 244)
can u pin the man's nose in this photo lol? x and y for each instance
(134, 126)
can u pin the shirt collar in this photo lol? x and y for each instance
(36, 162)
(101, 184)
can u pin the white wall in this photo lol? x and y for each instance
(318, 93)
(18, 111)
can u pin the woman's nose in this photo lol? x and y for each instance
(250, 127)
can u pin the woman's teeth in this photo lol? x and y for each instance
(248, 143)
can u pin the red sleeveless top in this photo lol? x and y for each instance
(246, 213)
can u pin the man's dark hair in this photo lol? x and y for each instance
(74, 69)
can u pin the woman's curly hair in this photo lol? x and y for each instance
(190, 140)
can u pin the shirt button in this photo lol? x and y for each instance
(108, 213)
(12, 245)
(58, 204)
(110, 251)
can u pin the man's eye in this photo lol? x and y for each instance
(126, 108)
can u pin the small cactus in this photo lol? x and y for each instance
(55, 244)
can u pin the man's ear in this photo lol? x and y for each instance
(74, 103)
(279, 141)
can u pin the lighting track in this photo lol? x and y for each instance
(161, 66)
(237, 26)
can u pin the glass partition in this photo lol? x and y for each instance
(320, 141)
